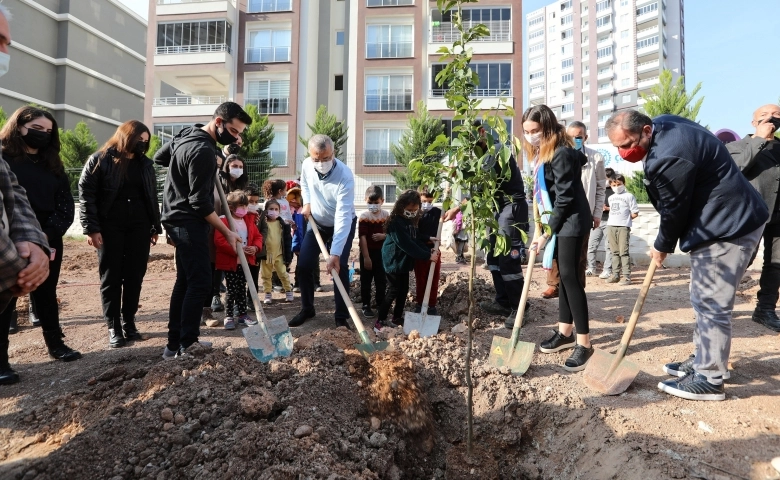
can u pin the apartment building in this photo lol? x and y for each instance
(588, 59)
(368, 61)
(82, 60)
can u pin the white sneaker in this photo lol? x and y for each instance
(267, 300)
(589, 272)
(289, 297)
(605, 274)
(169, 354)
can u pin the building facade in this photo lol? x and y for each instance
(81, 59)
(590, 58)
(369, 61)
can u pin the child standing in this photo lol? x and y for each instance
(253, 216)
(277, 250)
(401, 248)
(371, 226)
(429, 229)
(622, 209)
(227, 259)
(461, 236)
(277, 190)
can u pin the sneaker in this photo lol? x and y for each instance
(767, 318)
(694, 386)
(319, 288)
(417, 308)
(396, 322)
(278, 288)
(557, 343)
(495, 308)
(578, 358)
(241, 320)
(267, 300)
(625, 281)
(216, 304)
(206, 315)
(229, 323)
(212, 322)
(614, 278)
(205, 344)
(367, 312)
(432, 311)
(302, 316)
(681, 369)
(341, 322)
(169, 354)
(589, 272)
(296, 289)
(289, 297)
(605, 274)
(379, 325)
(250, 321)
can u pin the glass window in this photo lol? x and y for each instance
(625, 82)
(278, 148)
(603, 5)
(388, 41)
(267, 46)
(536, 34)
(624, 34)
(626, 98)
(189, 37)
(536, 21)
(647, 9)
(604, 52)
(270, 96)
(386, 93)
(605, 20)
(625, 66)
(647, 42)
(340, 37)
(258, 6)
(566, 34)
(339, 81)
(377, 145)
(566, 78)
(567, 63)
(166, 132)
(389, 3)
(495, 79)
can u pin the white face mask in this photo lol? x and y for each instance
(5, 59)
(619, 188)
(534, 139)
(373, 207)
(409, 214)
(323, 167)
(253, 208)
(426, 206)
(236, 172)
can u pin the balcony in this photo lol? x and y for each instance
(269, 6)
(646, 32)
(606, 106)
(650, 66)
(607, 27)
(567, 114)
(605, 75)
(499, 40)
(608, 90)
(647, 17)
(648, 50)
(647, 83)
(267, 54)
(186, 106)
(491, 97)
(388, 3)
(536, 81)
(567, 83)
(187, 7)
(270, 106)
(605, 59)
(536, 92)
(389, 50)
(389, 102)
(218, 53)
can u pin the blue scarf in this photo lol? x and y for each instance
(542, 198)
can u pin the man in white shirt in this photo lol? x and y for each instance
(328, 191)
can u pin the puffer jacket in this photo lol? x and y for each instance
(286, 239)
(100, 184)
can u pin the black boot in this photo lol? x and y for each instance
(34, 320)
(57, 348)
(7, 375)
(115, 337)
(129, 329)
(14, 326)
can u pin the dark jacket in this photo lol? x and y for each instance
(402, 247)
(286, 238)
(100, 184)
(428, 226)
(697, 188)
(759, 166)
(191, 159)
(571, 215)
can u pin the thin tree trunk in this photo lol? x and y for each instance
(469, 384)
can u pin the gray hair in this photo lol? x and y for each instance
(4, 11)
(630, 120)
(320, 143)
(578, 124)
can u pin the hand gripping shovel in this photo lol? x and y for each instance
(512, 353)
(365, 347)
(426, 325)
(269, 338)
(612, 374)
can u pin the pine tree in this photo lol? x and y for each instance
(3, 118)
(154, 144)
(422, 132)
(672, 98)
(77, 145)
(329, 125)
(257, 139)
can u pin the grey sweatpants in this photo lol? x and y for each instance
(716, 270)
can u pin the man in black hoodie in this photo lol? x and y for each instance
(187, 212)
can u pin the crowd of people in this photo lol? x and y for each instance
(715, 201)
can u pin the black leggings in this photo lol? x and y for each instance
(572, 301)
(397, 289)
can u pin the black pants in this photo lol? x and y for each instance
(193, 283)
(236, 293)
(572, 301)
(397, 290)
(507, 269)
(377, 274)
(769, 282)
(216, 281)
(43, 299)
(460, 246)
(255, 271)
(122, 265)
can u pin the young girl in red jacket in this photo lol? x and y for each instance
(227, 259)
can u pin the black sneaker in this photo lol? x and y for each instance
(767, 318)
(417, 308)
(694, 386)
(578, 359)
(340, 322)
(681, 369)
(302, 316)
(557, 343)
(432, 311)
(217, 305)
(367, 312)
(7, 375)
(495, 308)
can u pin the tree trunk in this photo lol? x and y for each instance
(469, 384)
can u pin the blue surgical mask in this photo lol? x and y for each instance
(578, 143)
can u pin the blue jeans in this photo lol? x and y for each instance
(309, 259)
(193, 283)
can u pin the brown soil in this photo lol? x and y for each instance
(125, 413)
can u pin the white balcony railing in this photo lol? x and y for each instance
(605, 59)
(267, 54)
(178, 49)
(189, 100)
(647, 66)
(389, 101)
(607, 106)
(271, 106)
(176, 2)
(479, 92)
(445, 32)
(648, 82)
(647, 31)
(388, 3)
(268, 6)
(389, 50)
(605, 74)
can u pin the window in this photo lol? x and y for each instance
(536, 47)
(450, 124)
(389, 3)
(536, 34)
(647, 9)
(624, 3)
(194, 37)
(339, 81)
(584, 38)
(623, 51)
(585, 98)
(625, 82)
(495, 79)
(278, 148)
(536, 75)
(604, 52)
(647, 42)
(602, 21)
(565, 5)
(623, 19)
(566, 19)
(340, 37)
(603, 5)
(389, 93)
(535, 21)
(551, 29)
(566, 34)
(625, 66)
(567, 107)
(626, 98)
(388, 41)
(270, 96)
(624, 34)
(605, 86)
(585, 113)
(262, 6)
(602, 132)
(536, 63)
(266, 46)
(377, 145)
(567, 49)
(166, 132)
(567, 63)
(389, 190)
(605, 117)
(566, 78)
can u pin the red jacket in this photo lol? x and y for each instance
(227, 259)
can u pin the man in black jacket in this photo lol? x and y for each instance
(710, 208)
(188, 210)
(758, 156)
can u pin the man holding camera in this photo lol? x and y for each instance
(758, 157)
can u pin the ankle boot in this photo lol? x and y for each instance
(115, 337)
(7, 375)
(129, 329)
(57, 348)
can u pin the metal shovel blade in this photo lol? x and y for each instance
(602, 376)
(426, 325)
(277, 343)
(518, 359)
(368, 349)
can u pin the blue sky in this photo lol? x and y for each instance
(731, 49)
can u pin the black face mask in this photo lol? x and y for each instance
(37, 139)
(224, 137)
(141, 147)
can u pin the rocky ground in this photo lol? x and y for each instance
(327, 413)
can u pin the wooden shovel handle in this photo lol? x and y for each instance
(427, 295)
(640, 302)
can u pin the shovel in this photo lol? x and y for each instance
(426, 325)
(510, 352)
(269, 338)
(612, 374)
(365, 347)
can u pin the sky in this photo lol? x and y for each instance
(141, 7)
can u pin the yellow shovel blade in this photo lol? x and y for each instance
(518, 359)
